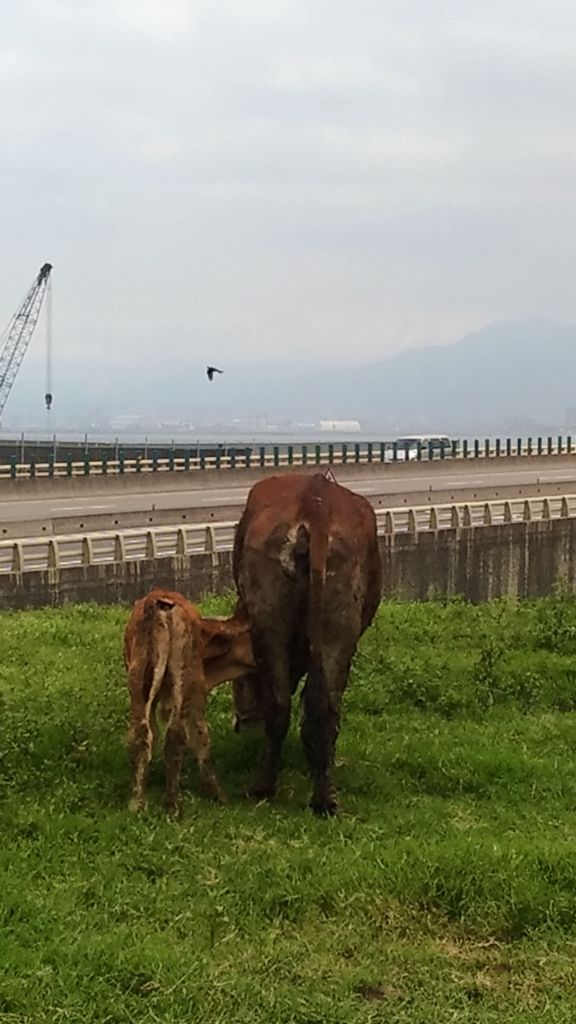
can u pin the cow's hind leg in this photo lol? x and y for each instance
(141, 737)
(321, 701)
(275, 703)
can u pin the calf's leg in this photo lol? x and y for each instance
(141, 737)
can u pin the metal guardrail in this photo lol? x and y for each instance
(286, 455)
(38, 554)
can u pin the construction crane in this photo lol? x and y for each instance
(18, 334)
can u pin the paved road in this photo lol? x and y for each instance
(386, 491)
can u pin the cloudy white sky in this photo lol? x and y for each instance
(252, 179)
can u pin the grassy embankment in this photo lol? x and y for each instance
(445, 891)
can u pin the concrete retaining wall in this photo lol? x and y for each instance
(522, 559)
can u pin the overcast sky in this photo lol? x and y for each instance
(247, 179)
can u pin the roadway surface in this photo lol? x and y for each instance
(392, 488)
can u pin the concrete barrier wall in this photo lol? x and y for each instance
(162, 482)
(523, 559)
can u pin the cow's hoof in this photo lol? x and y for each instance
(324, 808)
(173, 809)
(213, 792)
(260, 790)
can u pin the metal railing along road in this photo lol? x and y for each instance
(39, 554)
(284, 455)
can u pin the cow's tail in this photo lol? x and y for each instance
(158, 630)
(318, 542)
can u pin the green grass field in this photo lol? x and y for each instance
(445, 891)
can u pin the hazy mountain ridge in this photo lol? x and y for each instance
(494, 379)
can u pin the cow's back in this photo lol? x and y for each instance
(302, 533)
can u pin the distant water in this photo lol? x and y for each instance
(190, 439)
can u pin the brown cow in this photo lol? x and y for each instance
(307, 568)
(174, 657)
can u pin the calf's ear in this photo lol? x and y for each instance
(216, 640)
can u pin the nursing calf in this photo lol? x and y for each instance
(307, 568)
(174, 657)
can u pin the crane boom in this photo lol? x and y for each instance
(19, 333)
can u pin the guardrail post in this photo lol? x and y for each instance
(559, 444)
(467, 516)
(17, 557)
(121, 457)
(304, 454)
(549, 445)
(187, 459)
(411, 521)
(518, 446)
(171, 459)
(486, 447)
(464, 449)
(442, 452)
(394, 452)
(119, 548)
(564, 510)
(389, 522)
(69, 464)
(290, 454)
(32, 466)
(527, 513)
(454, 517)
(53, 560)
(497, 447)
(545, 509)
(331, 453)
(476, 448)
(508, 446)
(507, 512)
(370, 451)
(210, 545)
(454, 449)
(203, 459)
(433, 521)
(529, 445)
(430, 452)
(539, 445)
(232, 458)
(50, 465)
(356, 453)
(87, 551)
(247, 457)
(276, 455)
(138, 463)
(382, 451)
(12, 467)
(104, 464)
(262, 455)
(317, 454)
(86, 461)
(487, 515)
(344, 454)
(154, 460)
(568, 444)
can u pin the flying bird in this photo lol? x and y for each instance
(211, 370)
